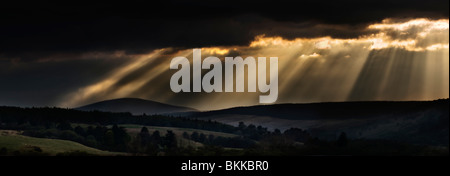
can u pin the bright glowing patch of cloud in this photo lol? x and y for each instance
(313, 55)
(437, 47)
(215, 51)
(262, 41)
(428, 25)
(389, 35)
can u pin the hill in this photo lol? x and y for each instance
(14, 143)
(326, 110)
(375, 124)
(417, 122)
(135, 106)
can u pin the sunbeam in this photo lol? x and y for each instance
(399, 60)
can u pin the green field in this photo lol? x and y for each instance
(12, 141)
(133, 130)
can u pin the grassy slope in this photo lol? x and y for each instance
(182, 142)
(13, 141)
(134, 129)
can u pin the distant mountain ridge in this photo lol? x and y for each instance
(326, 110)
(135, 106)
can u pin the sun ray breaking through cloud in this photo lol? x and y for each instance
(400, 60)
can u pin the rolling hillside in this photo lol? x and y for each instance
(12, 142)
(182, 142)
(135, 106)
(417, 122)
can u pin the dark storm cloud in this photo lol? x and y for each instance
(32, 31)
(42, 84)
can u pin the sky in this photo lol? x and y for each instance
(76, 53)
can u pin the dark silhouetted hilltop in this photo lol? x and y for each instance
(135, 106)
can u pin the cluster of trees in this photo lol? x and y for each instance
(16, 118)
(249, 135)
(230, 142)
(26, 118)
(101, 137)
(253, 132)
(153, 144)
(114, 138)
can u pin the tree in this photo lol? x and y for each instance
(186, 135)
(277, 132)
(71, 135)
(241, 125)
(342, 140)
(99, 132)
(80, 131)
(296, 134)
(194, 136)
(109, 139)
(202, 138)
(90, 130)
(64, 126)
(121, 138)
(144, 136)
(210, 138)
(171, 140)
(90, 141)
(156, 137)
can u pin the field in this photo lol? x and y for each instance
(402, 128)
(15, 143)
(133, 130)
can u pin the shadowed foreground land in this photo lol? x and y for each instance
(387, 128)
(416, 122)
(13, 143)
